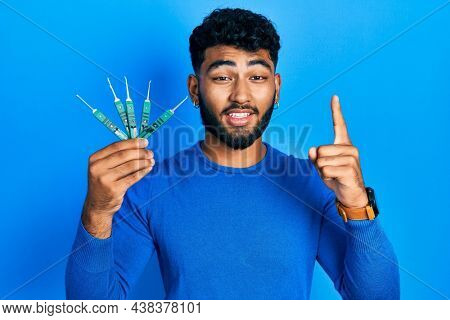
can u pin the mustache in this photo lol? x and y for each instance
(238, 106)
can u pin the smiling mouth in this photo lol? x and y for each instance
(238, 115)
(239, 118)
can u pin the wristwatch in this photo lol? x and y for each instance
(370, 211)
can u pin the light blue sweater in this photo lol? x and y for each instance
(233, 233)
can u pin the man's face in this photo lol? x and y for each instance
(237, 91)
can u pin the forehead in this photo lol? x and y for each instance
(224, 52)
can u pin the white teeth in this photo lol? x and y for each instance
(239, 115)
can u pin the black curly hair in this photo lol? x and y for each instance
(241, 28)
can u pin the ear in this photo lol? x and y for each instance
(193, 87)
(277, 86)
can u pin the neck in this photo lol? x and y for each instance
(220, 153)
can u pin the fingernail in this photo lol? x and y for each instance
(143, 142)
(336, 98)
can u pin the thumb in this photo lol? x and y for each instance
(312, 153)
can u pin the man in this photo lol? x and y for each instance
(232, 217)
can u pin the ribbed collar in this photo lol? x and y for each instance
(257, 167)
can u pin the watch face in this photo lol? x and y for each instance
(372, 200)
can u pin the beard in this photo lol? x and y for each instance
(238, 138)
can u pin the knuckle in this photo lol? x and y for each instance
(130, 165)
(93, 169)
(141, 153)
(139, 164)
(350, 171)
(137, 154)
(115, 146)
(333, 158)
(122, 155)
(321, 161)
(326, 170)
(324, 150)
(120, 170)
(320, 151)
(353, 160)
(132, 178)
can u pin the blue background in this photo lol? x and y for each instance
(395, 97)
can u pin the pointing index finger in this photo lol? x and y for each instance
(340, 128)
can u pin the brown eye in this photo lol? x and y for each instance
(221, 78)
(258, 78)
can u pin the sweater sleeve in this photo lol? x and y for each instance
(108, 268)
(357, 256)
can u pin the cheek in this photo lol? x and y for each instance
(218, 92)
(263, 94)
(216, 98)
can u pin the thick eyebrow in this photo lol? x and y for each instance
(219, 63)
(260, 62)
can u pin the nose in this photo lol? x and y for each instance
(240, 94)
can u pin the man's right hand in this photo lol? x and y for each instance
(112, 170)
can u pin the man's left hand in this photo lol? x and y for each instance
(338, 163)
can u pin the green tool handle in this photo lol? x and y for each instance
(157, 124)
(111, 126)
(131, 119)
(122, 114)
(145, 115)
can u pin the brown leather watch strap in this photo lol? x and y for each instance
(363, 213)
